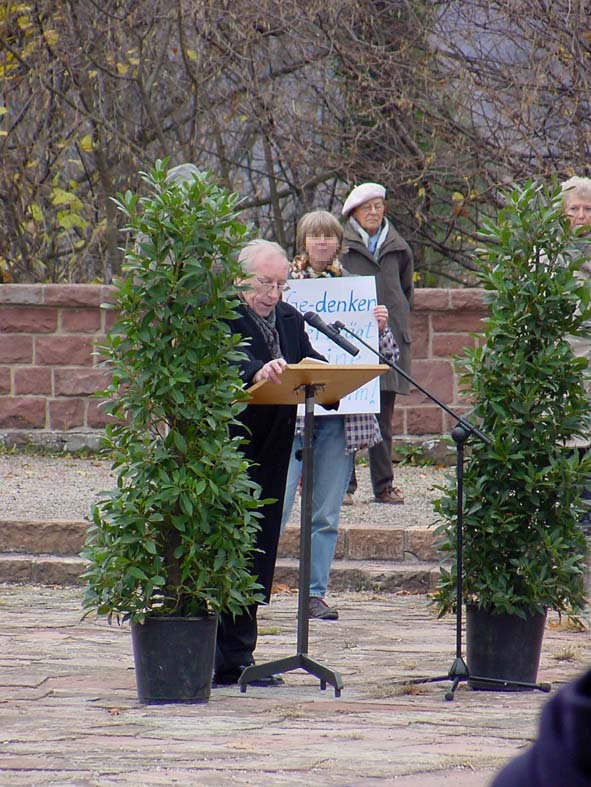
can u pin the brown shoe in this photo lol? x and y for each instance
(348, 499)
(392, 496)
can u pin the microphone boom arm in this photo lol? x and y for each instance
(470, 428)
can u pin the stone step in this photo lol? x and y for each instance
(374, 575)
(355, 541)
(23, 568)
(368, 557)
(372, 542)
(52, 537)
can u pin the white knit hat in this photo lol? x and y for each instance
(361, 194)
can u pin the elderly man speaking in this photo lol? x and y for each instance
(275, 335)
(376, 249)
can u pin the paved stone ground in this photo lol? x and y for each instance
(69, 713)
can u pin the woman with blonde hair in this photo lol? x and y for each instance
(319, 242)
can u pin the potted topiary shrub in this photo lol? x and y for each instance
(171, 546)
(523, 548)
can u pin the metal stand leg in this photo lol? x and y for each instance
(301, 660)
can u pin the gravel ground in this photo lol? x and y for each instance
(49, 487)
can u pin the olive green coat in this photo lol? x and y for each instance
(393, 270)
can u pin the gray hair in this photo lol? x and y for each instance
(253, 248)
(183, 173)
(576, 186)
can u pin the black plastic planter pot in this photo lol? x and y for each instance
(174, 658)
(505, 647)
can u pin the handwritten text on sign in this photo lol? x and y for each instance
(350, 300)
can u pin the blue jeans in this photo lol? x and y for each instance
(332, 471)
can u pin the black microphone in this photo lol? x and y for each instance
(317, 322)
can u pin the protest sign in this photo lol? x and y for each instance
(350, 300)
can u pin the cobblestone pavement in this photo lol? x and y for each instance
(69, 714)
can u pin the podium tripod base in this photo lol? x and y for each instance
(299, 661)
(459, 672)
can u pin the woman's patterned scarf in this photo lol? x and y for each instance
(300, 268)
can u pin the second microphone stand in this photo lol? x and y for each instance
(458, 671)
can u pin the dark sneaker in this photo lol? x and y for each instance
(318, 608)
(268, 682)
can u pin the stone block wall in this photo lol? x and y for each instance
(49, 367)
(444, 323)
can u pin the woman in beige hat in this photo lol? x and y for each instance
(376, 249)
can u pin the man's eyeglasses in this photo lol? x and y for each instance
(267, 285)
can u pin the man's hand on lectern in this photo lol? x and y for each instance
(271, 371)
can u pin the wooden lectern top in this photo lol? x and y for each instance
(334, 382)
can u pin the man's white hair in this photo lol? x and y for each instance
(576, 187)
(182, 173)
(253, 248)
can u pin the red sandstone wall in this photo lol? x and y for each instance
(442, 324)
(48, 367)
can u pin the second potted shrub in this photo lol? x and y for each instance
(523, 548)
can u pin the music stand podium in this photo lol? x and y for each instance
(308, 382)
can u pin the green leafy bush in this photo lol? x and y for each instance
(523, 548)
(176, 536)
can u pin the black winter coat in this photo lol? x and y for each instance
(270, 428)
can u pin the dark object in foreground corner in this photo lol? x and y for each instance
(561, 754)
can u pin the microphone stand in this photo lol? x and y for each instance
(458, 671)
(301, 659)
